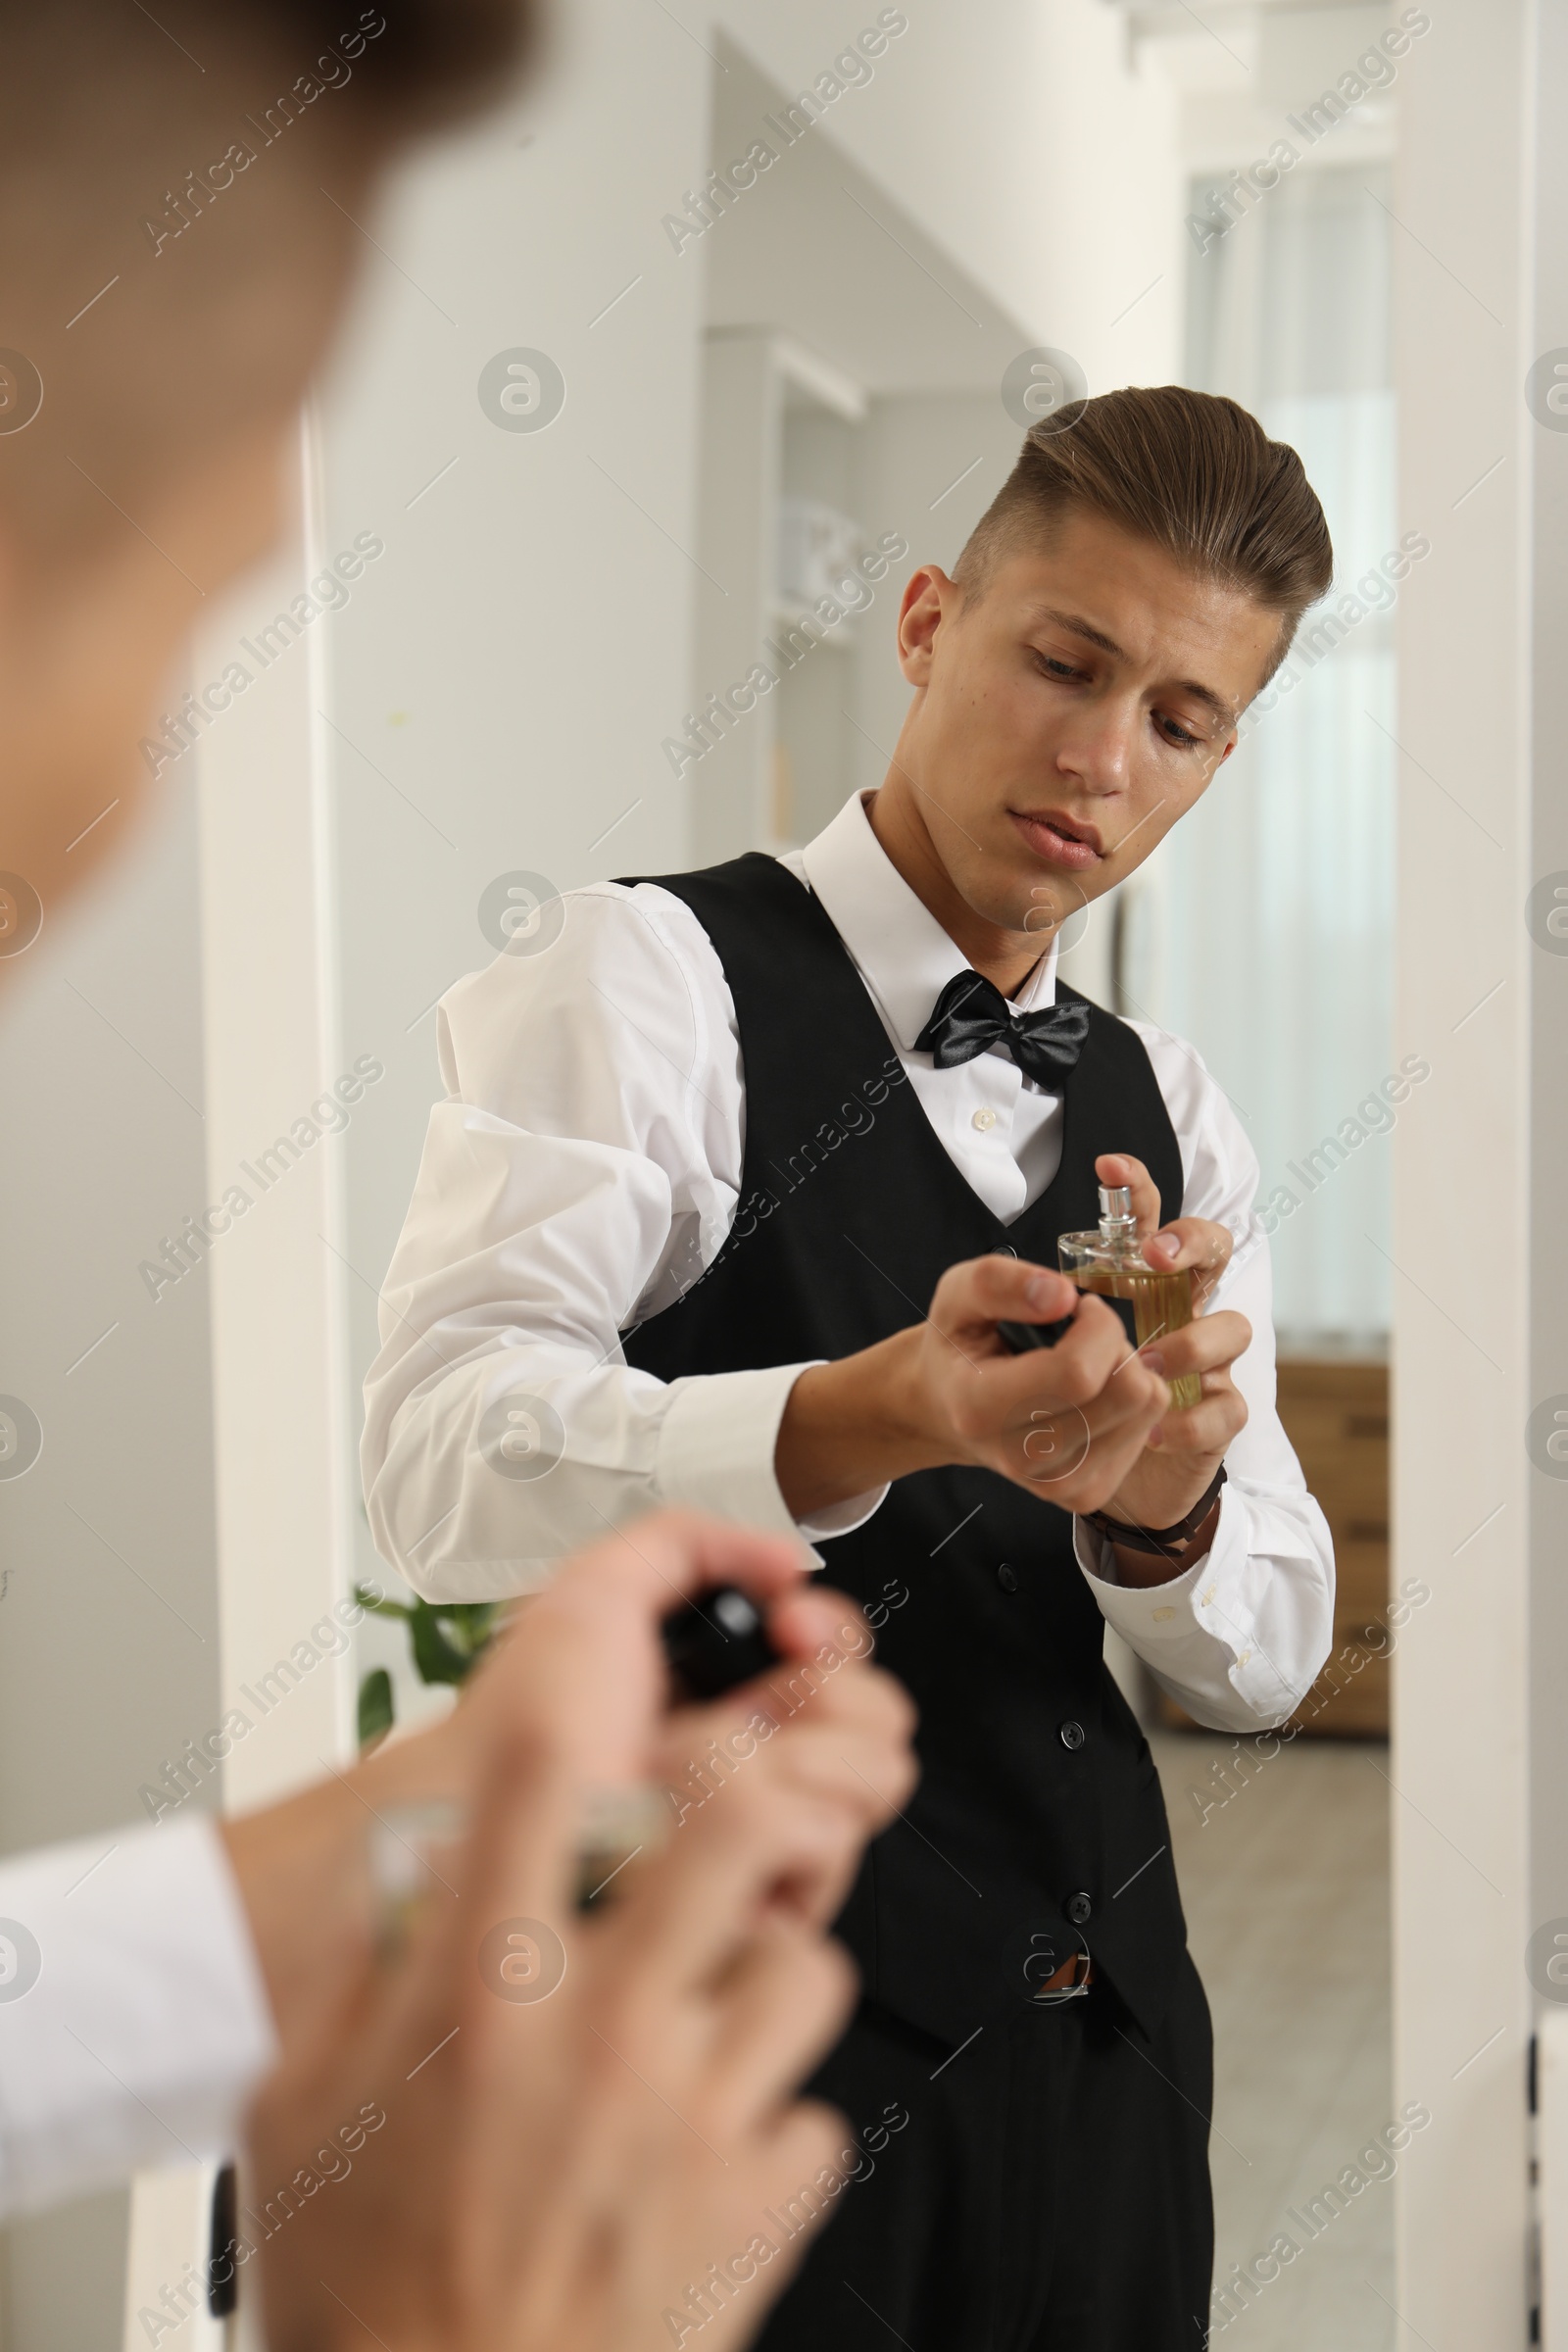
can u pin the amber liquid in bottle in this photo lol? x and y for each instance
(1111, 1263)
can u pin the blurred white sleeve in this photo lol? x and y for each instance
(1239, 1637)
(133, 2019)
(582, 1171)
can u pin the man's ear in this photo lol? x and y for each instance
(930, 598)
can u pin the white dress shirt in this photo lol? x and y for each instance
(584, 1167)
(133, 2019)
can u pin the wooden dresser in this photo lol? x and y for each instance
(1335, 1414)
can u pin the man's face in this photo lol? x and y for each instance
(91, 636)
(88, 648)
(1067, 716)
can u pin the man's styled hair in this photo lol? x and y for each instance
(1193, 473)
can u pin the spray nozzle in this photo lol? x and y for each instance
(1117, 1210)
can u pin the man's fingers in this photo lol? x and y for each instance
(1208, 1427)
(1134, 1392)
(1081, 1366)
(570, 1724)
(782, 2008)
(673, 1555)
(1120, 1168)
(837, 1687)
(1079, 1456)
(584, 1662)
(842, 1740)
(842, 1733)
(497, 1907)
(1205, 1346)
(1000, 1288)
(777, 2174)
(1195, 1242)
(808, 2136)
(870, 1775)
(1081, 1477)
(861, 1775)
(685, 1910)
(814, 1617)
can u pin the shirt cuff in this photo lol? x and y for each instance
(715, 1453)
(1207, 1599)
(133, 2018)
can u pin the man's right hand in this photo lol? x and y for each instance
(585, 2154)
(1069, 1422)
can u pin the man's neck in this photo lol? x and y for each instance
(1004, 958)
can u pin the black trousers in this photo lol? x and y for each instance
(1048, 2192)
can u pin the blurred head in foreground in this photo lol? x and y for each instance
(179, 200)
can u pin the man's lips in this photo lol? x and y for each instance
(1058, 839)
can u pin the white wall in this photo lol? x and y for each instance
(277, 1276)
(916, 449)
(1022, 139)
(1478, 1342)
(109, 1644)
(504, 681)
(1547, 975)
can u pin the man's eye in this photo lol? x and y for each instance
(1057, 670)
(1178, 734)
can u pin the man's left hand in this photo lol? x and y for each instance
(1184, 1448)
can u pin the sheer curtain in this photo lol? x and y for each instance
(1263, 932)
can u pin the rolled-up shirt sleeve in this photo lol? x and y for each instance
(582, 1171)
(1238, 1638)
(133, 2018)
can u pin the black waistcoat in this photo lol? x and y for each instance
(1038, 1794)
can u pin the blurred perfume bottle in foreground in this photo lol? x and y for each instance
(1111, 1263)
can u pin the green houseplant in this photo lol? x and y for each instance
(447, 1638)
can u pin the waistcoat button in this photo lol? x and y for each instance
(1078, 1908)
(1072, 1734)
(1008, 1577)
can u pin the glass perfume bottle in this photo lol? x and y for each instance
(1111, 1263)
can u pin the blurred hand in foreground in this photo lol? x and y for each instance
(530, 2129)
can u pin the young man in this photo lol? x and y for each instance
(708, 1156)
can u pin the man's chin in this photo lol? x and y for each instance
(1036, 904)
(1010, 891)
(1018, 914)
(1053, 904)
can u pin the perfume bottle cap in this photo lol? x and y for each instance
(1116, 1205)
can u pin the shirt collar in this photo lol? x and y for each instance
(899, 947)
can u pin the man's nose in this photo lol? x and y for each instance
(1098, 749)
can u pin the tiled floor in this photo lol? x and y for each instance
(1286, 1888)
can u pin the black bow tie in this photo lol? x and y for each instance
(972, 1016)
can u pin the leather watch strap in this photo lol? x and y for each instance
(1168, 1542)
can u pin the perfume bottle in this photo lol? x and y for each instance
(1111, 1263)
